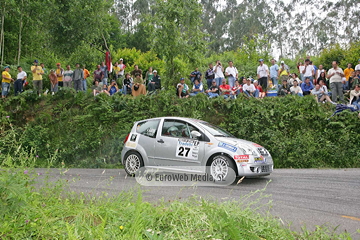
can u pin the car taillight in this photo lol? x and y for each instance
(127, 137)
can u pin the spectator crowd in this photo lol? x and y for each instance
(330, 85)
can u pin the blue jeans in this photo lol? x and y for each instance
(104, 81)
(356, 103)
(231, 81)
(255, 94)
(18, 85)
(209, 82)
(226, 96)
(275, 82)
(213, 95)
(84, 85)
(5, 88)
(346, 85)
(218, 81)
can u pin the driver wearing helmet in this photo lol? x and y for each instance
(173, 131)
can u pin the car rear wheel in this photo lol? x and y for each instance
(133, 162)
(219, 167)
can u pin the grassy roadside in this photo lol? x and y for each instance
(49, 212)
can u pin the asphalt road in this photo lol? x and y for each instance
(299, 197)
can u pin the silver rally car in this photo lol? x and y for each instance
(182, 143)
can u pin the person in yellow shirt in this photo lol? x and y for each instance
(283, 71)
(37, 72)
(116, 70)
(5, 82)
(59, 74)
(347, 73)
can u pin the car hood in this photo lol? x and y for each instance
(238, 142)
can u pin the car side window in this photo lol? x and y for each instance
(178, 129)
(148, 128)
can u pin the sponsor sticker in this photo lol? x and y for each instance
(187, 148)
(260, 159)
(227, 146)
(241, 157)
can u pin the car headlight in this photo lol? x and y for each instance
(248, 151)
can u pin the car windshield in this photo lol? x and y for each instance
(215, 130)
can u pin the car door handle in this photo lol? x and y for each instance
(160, 141)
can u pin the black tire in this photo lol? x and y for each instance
(133, 162)
(219, 165)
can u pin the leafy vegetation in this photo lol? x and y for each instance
(80, 131)
(50, 212)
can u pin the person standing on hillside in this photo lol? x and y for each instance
(122, 68)
(86, 75)
(37, 72)
(98, 74)
(335, 74)
(357, 67)
(347, 73)
(210, 76)
(149, 76)
(263, 74)
(219, 73)
(5, 82)
(53, 82)
(308, 70)
(105, 71)
(136, 71)
(59, 74)
(78, 77)
(232, 73)
(274, 73)
(68, 77)
(18, 84)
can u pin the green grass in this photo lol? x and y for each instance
(49, 212)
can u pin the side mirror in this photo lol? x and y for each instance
(195, 134)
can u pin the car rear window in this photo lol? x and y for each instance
(148, 128)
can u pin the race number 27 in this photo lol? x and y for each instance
(184, 151)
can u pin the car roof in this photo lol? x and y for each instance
(175, 118)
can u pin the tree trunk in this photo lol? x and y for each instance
(2, 36)
(20, 38)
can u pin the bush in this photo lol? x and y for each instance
(87, 132)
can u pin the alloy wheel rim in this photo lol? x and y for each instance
(219, 168)
(132, 163)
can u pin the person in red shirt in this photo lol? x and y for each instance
(225, 89)
(258, 87)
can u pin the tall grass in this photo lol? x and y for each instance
(33, 207)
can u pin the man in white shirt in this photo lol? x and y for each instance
(308, 70)
(232, 73)
(335, 74)
(250, 90)
(219, 72)
(357, 67)
(18, 84)
(263, 74)
(295, 89)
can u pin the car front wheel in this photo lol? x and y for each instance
(133, 162)
(220, 167)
